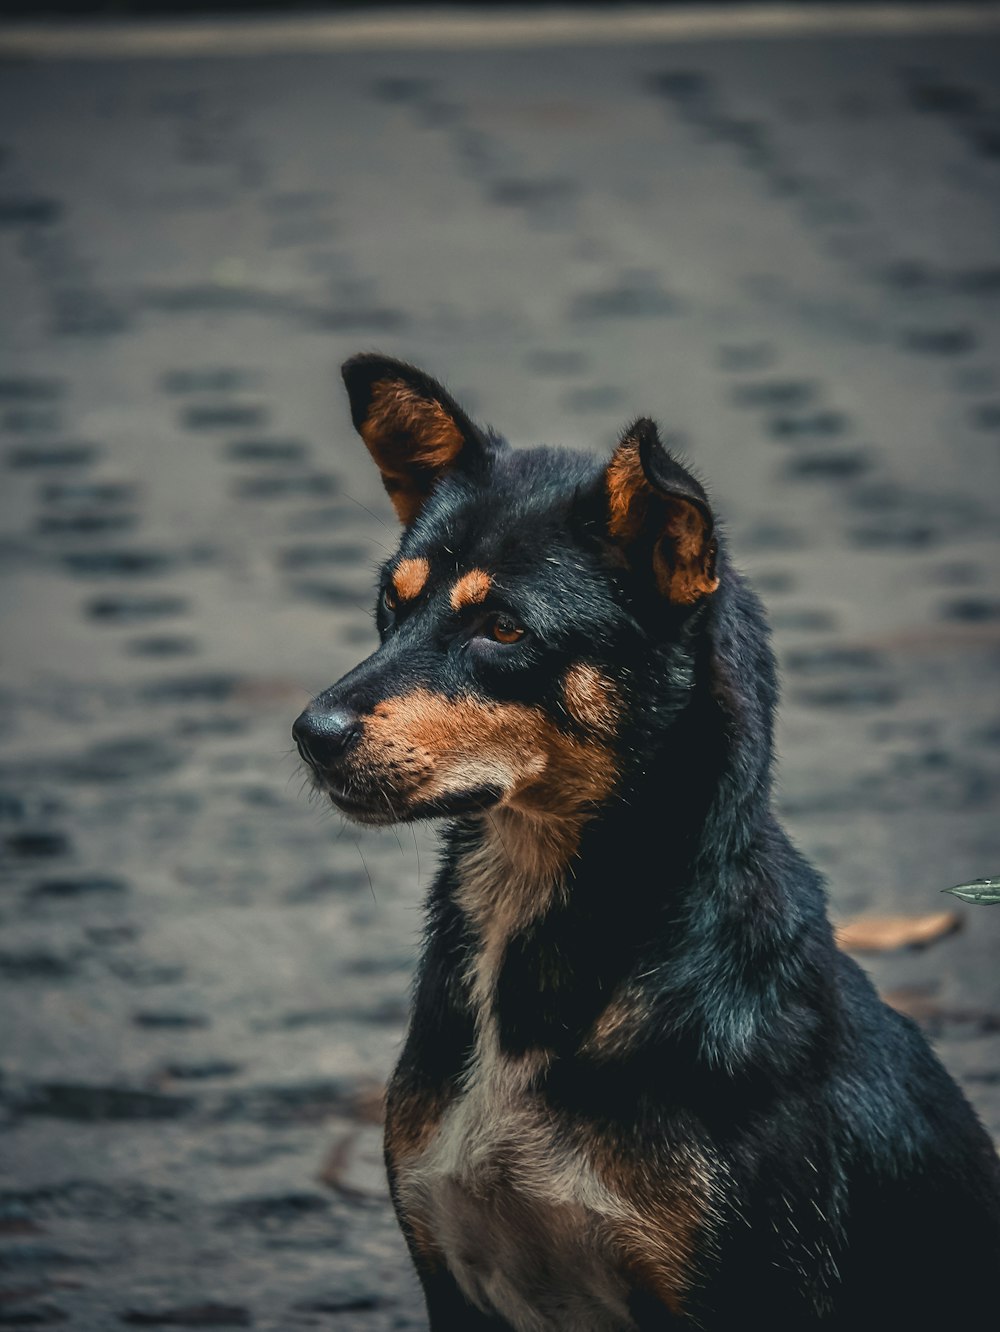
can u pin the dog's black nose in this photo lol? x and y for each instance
(324, 736)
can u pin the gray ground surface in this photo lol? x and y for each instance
(785, 250)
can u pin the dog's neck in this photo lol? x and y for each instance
(514, 873)
(592, 929)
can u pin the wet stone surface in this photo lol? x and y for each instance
(790, 262)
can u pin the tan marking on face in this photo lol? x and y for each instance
(682, 549)
(412, 439)
(471, 589)
(591, 699)
(422, 746)
(409, 577)
(426, 745)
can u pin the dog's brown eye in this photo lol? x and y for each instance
(389, 600)
(505, 630)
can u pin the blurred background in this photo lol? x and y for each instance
(780, 242)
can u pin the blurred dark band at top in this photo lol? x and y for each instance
(116, 9)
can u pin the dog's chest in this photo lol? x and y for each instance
(519, 1216)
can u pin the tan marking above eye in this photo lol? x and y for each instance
(410, 576)
(471, 589)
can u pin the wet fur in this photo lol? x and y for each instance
(641, 1088)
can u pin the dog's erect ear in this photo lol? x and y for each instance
(414, 430)
(658, 515)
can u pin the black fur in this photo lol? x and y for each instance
(860, 1191)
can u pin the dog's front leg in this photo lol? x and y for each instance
(447, 1308)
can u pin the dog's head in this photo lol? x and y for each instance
(535, 622)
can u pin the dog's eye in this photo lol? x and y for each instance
(389, 600)
(506, 630)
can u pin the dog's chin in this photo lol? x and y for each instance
(369, 812)
(381, 810)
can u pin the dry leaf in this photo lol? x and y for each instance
(916, 1001)
(935, 1017)
(882, 934)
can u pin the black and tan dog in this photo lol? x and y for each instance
(641, 1087)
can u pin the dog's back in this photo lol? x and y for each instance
(641, 1088)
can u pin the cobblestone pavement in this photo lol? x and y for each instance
(786, 250)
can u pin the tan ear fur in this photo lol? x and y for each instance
(683, 552)
(412, 439)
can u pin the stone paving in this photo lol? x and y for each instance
(785, 250)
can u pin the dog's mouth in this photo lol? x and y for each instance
(380, 807)
(362, 810)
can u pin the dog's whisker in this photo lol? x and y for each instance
(503, 845)
(416, 852)
(367, 872)
(356, 501)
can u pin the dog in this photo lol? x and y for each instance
(641, 1088)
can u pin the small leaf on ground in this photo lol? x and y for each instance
(980, 892)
